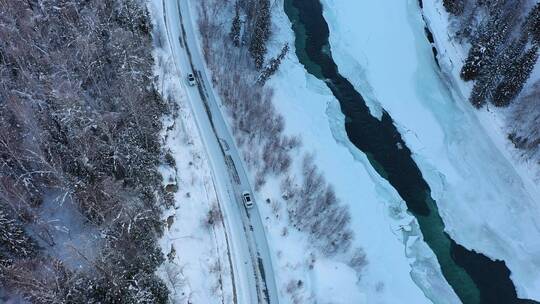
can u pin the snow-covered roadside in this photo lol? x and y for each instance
(197, 267)
(486, 203)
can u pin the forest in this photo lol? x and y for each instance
(80, 194)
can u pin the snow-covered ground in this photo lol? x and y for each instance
(197, 268)
(488, 201)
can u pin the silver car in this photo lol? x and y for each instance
(248, 202)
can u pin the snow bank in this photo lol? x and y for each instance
(486, 203)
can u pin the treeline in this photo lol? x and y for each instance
(79, 127)
(238, 58)
(504, 46)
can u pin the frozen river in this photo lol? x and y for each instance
(474, 277)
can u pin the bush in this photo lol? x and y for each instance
(524, 120)
(14, 241)
(236, 26)
(273, 65)
(314, 208)
(169, 159)
(214, 216)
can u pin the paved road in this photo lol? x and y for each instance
(253, 275)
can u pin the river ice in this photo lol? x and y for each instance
(485, 200)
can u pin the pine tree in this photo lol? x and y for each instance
(481, 91)
(491, 38)
(533, 23)
(454, 7)
(235, 28)
(484, 49)
(499, 77)
(515, 78)
(273, 65)
(261, 33)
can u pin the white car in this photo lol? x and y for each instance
(248, 202)
(191, 79)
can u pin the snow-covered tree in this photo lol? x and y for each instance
(524, 122)
(13, 238)
(501, 58)
(79, 124)
(533, 23)
(515, 77)
(273, 65)
(484, 49)
(261, 33)
(314, 208)
(454, 7)
(236, 27)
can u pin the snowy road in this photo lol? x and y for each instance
(253, 277)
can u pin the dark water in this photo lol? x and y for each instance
(474, 277)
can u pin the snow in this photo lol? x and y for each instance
(451, 57)
(487, 200)
(398, 259)
(200, 271)
(251, 259)
(201, 260)
(329, 292)
(63, 232)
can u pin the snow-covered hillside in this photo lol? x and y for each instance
(487, 202)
